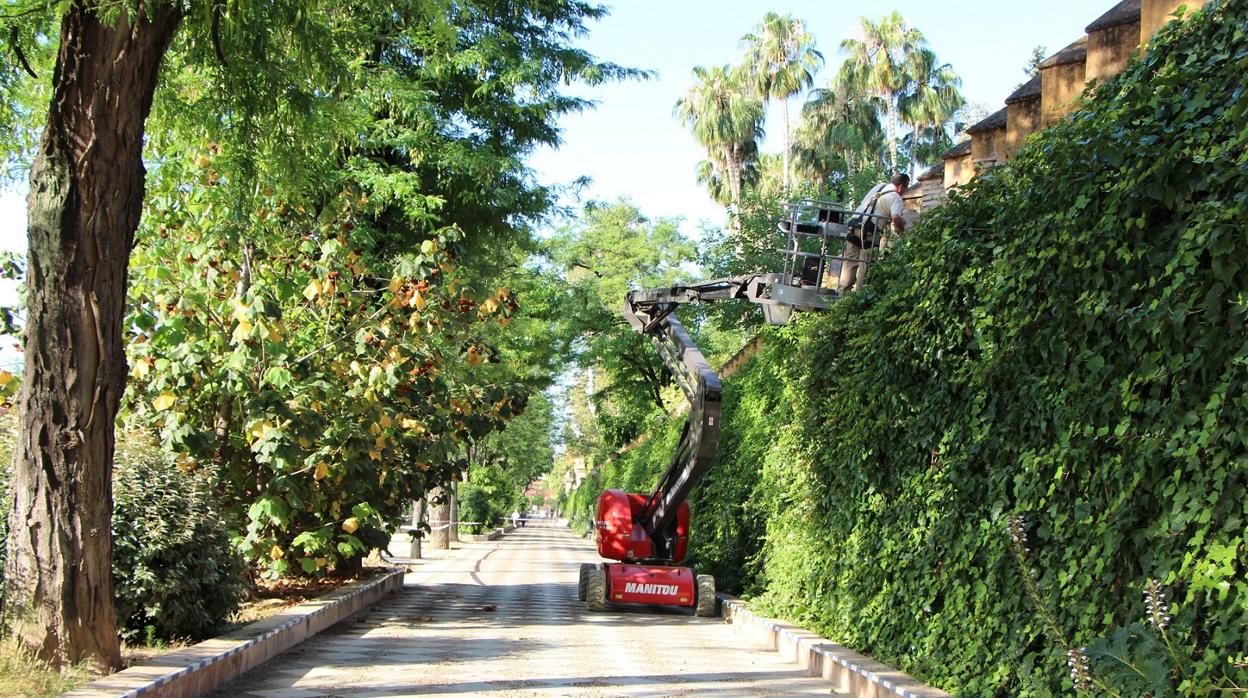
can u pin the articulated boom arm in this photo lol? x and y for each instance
(651, 313)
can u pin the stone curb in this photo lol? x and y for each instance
(851, 673)
(201, 668)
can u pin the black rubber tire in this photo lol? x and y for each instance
(580, 585)
(596, 589)
(708, 604)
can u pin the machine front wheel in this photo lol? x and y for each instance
(596, 589)
(580, 585)
(707, 603)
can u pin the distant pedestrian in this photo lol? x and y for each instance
(515, 519)
(868, 230)
(524, 518)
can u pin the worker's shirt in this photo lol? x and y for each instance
(888, 205)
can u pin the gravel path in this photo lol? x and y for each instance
(500, 618)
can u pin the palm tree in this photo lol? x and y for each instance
(929, 103)
(727, 119)
(839, 134)
(877, 64)
(781, 59)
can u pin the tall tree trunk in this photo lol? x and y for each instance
(452, 533)
(439, 519)
(86, 195)
(788, 144)
(891, 117)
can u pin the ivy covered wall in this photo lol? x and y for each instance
(1025, 443)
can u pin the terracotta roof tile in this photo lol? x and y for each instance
(1124, 12)
(1027, 91)
(957, 151)
(1074, 53)
(995, 121)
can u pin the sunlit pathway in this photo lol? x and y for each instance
(501, 618)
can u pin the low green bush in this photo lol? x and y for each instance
(176, 574)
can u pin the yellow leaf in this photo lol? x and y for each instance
(164, 401)
(413, 425)
(380, 442)
(276, 553)
(374, 455)
(274, 332)
(418, 301)
(504, 321)
(474, 357)
(489, 305)
(241, 331)
(242, 311)
(374, 428)
(422, 466)
(321, 562)
(140, 369)
(322, 469)
(313, 289)
(386, 421)
(396, 283)
(351, 525)
(260, 430)
(381, 479)
(305, 442)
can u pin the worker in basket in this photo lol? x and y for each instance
(868, 230)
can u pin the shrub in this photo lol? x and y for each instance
(1062, 349)
(176, 574)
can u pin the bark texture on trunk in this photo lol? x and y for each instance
(452, 533)
(439, 519)
(86, 196)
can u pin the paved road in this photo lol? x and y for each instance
(501, 618)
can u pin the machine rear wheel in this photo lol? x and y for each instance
(580, 585)
(596, 589)
(707, 603)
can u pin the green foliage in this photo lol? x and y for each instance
(176, 573)
(323, 285)
(1065, 342)
(505, 462)
(610, 250)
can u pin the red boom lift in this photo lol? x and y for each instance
(648, 534)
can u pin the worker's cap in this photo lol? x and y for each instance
(903, 179)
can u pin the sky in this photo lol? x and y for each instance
(630, 145)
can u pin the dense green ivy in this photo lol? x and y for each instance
(1059, 350)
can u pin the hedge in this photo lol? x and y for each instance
(1023, 446)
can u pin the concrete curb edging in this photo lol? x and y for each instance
(201, 668)
(851, 673)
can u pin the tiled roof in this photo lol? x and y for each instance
(933, 173)
(1124, 12)
(1028, 91)
(1074, 53)
(995, 121)
(957, 151)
